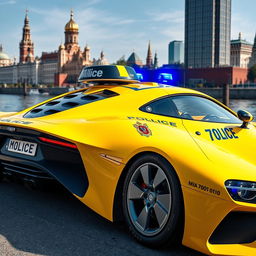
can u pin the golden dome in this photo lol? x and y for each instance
(71, 25)
(62, 47)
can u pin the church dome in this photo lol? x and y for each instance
(62, 47)
(4, 56)
(71, 25)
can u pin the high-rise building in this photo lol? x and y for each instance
(241, 52)
(176, 52)
(207, 33)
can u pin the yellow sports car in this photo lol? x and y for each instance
(173, 163)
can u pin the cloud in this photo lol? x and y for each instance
(173, 17)
(240, 23)
(99, 28)
(106, 30)
(7, 2)
(169, 24)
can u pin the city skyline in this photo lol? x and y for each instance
(117, 28)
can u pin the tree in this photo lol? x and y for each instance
(252, 74)
(121, 61)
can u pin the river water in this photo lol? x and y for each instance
(15, 103)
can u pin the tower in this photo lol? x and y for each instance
(149, 60)
(26, 44)
(71, 33)
(207, 33)
(155, 61)
(87, 53)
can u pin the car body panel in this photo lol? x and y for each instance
(108, 136)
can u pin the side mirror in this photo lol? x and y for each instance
(245, 116)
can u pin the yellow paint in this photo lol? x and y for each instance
(106, 127)
(122, 71)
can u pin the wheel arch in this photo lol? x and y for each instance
(117, 206)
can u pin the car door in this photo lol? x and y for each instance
(212, 125)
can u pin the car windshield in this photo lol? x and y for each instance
(202, 109)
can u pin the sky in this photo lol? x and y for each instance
(117, 27)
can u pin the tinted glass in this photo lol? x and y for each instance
(202, 109)
(163, 107)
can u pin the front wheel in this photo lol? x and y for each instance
(152, 201)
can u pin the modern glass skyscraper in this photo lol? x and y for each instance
(207, 33)
(176, 52)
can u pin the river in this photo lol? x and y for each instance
(15, 103)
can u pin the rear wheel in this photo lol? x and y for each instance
(152, 201)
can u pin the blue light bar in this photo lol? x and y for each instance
(140, 76)
(165, 76)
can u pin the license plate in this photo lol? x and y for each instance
(22, 147)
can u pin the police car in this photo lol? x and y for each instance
(175, 164)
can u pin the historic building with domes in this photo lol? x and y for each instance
(60, 67)
(71, 58)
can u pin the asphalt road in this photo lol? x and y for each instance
(53, 223)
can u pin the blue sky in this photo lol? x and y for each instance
(116, 26)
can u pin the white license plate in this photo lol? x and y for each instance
(22, 147)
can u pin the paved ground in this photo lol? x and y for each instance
(53, 223)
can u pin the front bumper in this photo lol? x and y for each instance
(212, 225)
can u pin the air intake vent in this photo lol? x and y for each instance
(67, 102)
(70, 104)
(52, 103)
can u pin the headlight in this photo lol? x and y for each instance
(244, 191)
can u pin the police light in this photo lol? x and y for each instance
(165, 76)
(108, 73)
(140, 76)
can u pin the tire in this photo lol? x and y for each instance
(152, 202)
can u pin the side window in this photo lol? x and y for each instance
(164, 107)
(202, 109)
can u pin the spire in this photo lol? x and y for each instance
(1, 48)
(240, 36)
(71, 14)
(26, 28)
(26, 21)
(102, 55)
(149, 60)
(155, 61)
